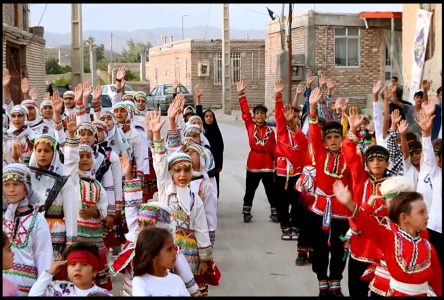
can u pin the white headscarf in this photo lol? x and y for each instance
(116, 138)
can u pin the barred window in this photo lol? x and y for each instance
(217, 60)
(235, 67)
(347, 47)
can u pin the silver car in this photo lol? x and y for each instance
(161, 97)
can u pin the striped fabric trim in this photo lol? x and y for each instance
(206, 253)
(174, 138)
(22, 270)
(72, 142)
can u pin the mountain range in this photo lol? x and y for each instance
(153, 35)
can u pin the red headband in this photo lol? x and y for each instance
(84, 257)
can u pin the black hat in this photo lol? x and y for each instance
(332, 127)
(418, 93)
(415, 146)
(376, 151)
(260, 107)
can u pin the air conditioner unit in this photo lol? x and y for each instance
(203, 69)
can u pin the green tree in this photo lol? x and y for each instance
(61, 81)
(52, 66)
(131, 54)
(100, 55)
(130, 76)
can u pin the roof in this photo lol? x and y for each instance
(380, 15)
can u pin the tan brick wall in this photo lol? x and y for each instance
(35, 62)
(192, 52)
(8, 15)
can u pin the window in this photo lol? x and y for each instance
(235, 67)
(347, 47)
(217, 60)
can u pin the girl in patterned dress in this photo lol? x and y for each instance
(26, 228)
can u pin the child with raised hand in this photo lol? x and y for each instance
(155, 254)
(82, 263)
(9, 288)
(411, 260)
(26, 228)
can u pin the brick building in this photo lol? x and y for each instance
(23, 50)
(196, 61)
(353, 51)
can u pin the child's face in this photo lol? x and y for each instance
(8, 256)
(260, 116)
(100, 135)
(69, 102)
(140, 103)
(86, 137)
(197, 122)
(86, 161)
(31, 113)
(81, 274)
(182, 176)
(196, 160)
(120, 114)
(209, 119)
(44, 154)
(47, 112)
(167, 255)
(438, 160)
(14, 191)
(195, 136)
(418, 216)
(333, 142)
(109, 121)
(415, 157)
(376, 166)
(18, 120)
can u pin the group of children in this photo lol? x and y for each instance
(79, 184)
(324, 177)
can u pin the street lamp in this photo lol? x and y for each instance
(182, 24)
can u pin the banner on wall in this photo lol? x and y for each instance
(423, 18)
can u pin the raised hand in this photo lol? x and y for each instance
(396, 118)
(97, 95)
(241, 86)
(33, 94)
(25, 87)
(354, 119)
(122, 86)
(425, 122)
(146, 122)
(71, 125)
(387, 93)
(344, 103)
(426, 84)
(288, 112)
(17, 150)
(57, 104)
(121, 73)
(175, 84)
(300, 88)
(78, 92)
(87, 90)
(278, 86)
(198, 91)
(126, 166)
(155, 123)
(330, 84)
(6, 77)
(47, 96)
(377, 87)
(373, 198)
(56, 266)
(322, 80)
(342, 193)
(402, 127)
(315, 95)
(429, 108)
(174, 107)
(309, 79)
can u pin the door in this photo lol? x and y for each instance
(387, 66)
(13, 54)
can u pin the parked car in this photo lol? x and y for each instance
(110, 90)
(162, 95)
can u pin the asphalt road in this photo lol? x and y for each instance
(251, 257)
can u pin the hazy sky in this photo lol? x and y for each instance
(127, 17)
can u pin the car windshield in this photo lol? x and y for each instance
(169, 89)
(127, 88)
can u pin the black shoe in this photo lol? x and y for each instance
(247, 217)
(286, 234)
(294, 233)
(274, 218)
(302, 259)
(324, 293)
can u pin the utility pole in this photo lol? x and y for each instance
(290, 69)
(226, 60)
(92, 62)
(76, 44)
(110, 76)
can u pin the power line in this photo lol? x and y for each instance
(208, 19)
(42, 15)
(255, 11)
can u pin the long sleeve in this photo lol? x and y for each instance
(246, 115)
(102, 206)
(81, 113)
(200, 228)
(354, 161)
(396, 156)
(378, 119)
(108, 186)
(116, 98)
(314, 136)
(59, 134)
(116, 170)
(199, 111)
(69, 210)
(428, 154)
(42, 246)
(139, 154)
(160, 164)
(183, 270)
(40, 286)
(436, 280)
(133, 199)
(210, 208)
(72, 156)
(279, 116)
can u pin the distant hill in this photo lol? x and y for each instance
(154, 36)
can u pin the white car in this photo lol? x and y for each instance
(110, 90)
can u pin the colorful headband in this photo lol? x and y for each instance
(140, 95)
(121, 105)
(16, 172)
(377, 151)
(46, 138)
(69, 93)
(85, 148)
(192, 129)
(192, 118)
(83, 257)
(150, 211)
(333, 130)
(29, 103)
(179, 159)
(87, 126)
(195, 147)
(100, 124)
(108, 113)
(128, 97)
(44, 103)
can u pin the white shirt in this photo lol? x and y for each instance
(149, 285)
(410, 172)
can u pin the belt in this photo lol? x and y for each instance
(410, 288)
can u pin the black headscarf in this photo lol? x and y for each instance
(214, 136)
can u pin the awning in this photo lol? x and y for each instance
(380, 15)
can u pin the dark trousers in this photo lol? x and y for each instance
(321, 250)
(217, 182)
(306, 228)
(288, 197)
(357, 287)
(435, 238)
(252, 182)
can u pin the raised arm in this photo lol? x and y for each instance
(7, 100)
(425, 122)
(387, 94)
(25, 88)
(279, 107)
(199, 108)
(97, 102)
(402, 129)
(246, 116)
(396, 157)
(299, 91)
(57, 107)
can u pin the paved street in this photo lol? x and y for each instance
(252, 258)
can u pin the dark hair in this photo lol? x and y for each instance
(415, 146)
(81, 246)
(395, 78)
(419, 93)
(296, 109)
(187, 115)
(438, 91)
(402, 204)
(410, 136)
(5, 239)
(149, 243)
(260, 107)
(437, 146)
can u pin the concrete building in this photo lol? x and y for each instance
(23, 50)
(196, 61)
(433, 58)
(352, 49)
